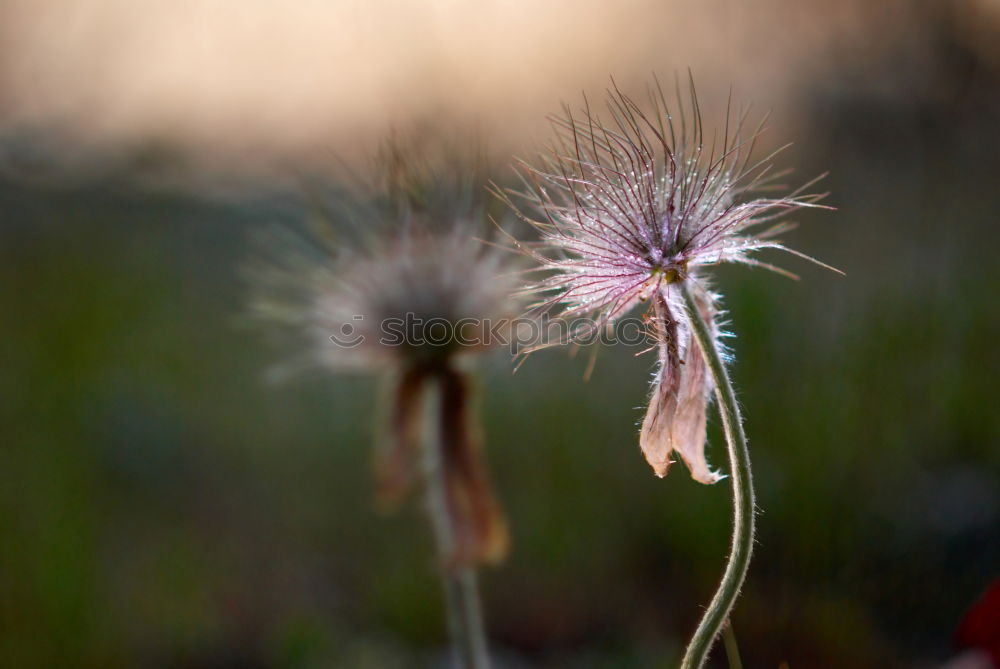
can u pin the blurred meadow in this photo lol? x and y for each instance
(161, 505)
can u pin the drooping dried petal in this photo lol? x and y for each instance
(676, 418)
(654, 438)
(398, 457)
(687, 433)
(479, 529)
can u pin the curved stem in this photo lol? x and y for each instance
(465, 618)
(743, 497)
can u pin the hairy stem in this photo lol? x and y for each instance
(465, 619)
(743, 497)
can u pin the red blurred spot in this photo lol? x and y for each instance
(980, 628)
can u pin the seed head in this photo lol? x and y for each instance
(631, 206)
(413, 298)
(417, 300)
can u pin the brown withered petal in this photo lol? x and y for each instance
(654, 438)
(480, 531)
(687, 431)
(676, 418)
(398, 457)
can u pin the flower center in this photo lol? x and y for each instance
(672, 273)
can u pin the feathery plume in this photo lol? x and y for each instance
(413, 300)
(631, 206)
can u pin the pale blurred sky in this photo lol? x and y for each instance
(236, 78)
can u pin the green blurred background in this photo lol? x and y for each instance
(162, 506)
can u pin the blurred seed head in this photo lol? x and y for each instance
(634, 203)
(410, 290)
(403, 279)
(435, 290)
